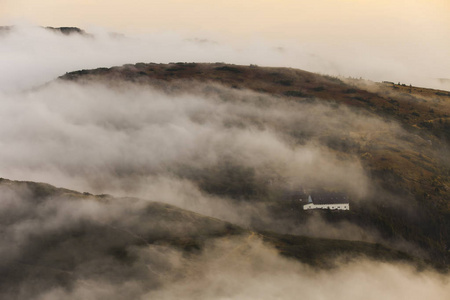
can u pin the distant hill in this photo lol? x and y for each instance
(67, 30)
(63, 30)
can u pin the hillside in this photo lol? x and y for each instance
(421, 108)
(409, 167)
(61, 237)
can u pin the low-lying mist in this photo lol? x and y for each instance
(67, 246)
(91, 138)
(217, 151)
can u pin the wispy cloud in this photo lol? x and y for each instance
(31, 56)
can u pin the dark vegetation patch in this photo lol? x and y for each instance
(319, 89)
(443, 94)
(228, 179)
(298, 94)
(285, 82)
(334, 79)
(229, 69)
(324, 253)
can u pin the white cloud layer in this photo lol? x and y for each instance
(31, 56)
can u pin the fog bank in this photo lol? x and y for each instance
(91, 138)
(32, 56)
(78, 247)
(217, 151)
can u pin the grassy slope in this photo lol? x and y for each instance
(419, 173)
(412, 106)
(115, 242)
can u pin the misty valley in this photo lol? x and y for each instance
(189, 180)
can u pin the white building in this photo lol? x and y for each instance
(332, 201)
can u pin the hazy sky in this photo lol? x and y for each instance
(294, 18)
(397, 40)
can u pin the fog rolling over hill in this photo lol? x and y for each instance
(60, 244)
(231, 147)
(207, 164)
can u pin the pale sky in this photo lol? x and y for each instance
(345, 18)
(402, 32)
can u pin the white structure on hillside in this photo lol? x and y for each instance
(333, 201)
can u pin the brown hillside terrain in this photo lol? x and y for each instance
(152, 225)
(418, 107)
(412, 165)
(425, 112)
